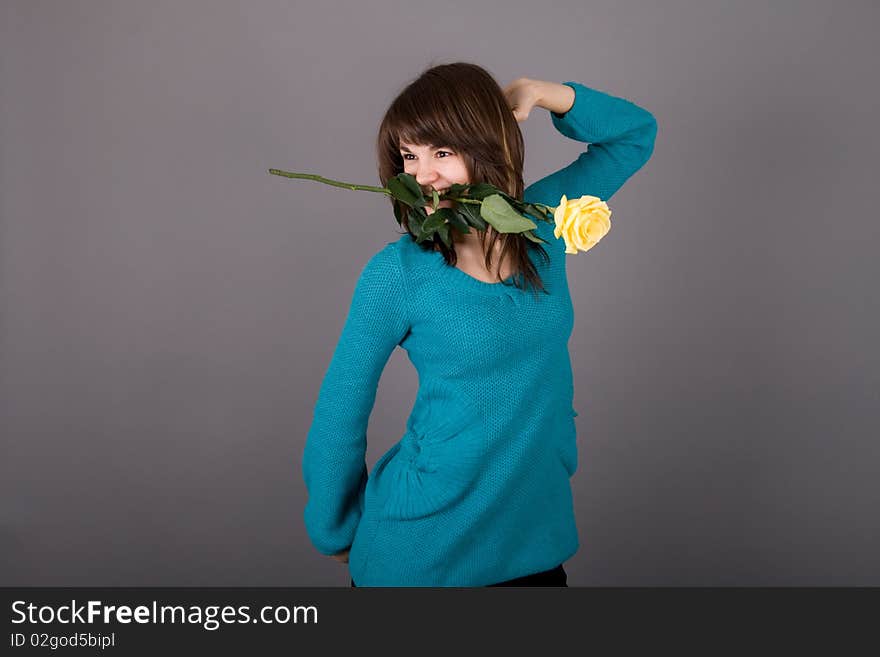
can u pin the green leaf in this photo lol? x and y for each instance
(433, 222)
(503, 218)
(458, 221)
(536, 212)
(542, 212)
(398, 214)
(403, 193)
(436, 199)
(480, 191)
(471, 214)
(417, 219)
(410, 182)
(456, 189)
(444, 235)
(533, 237)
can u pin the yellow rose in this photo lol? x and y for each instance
(581, 222)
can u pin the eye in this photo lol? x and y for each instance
(404, 155)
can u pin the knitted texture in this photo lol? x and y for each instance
(477, 490)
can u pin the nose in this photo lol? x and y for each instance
(426, 174)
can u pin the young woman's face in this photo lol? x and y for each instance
(434, 166)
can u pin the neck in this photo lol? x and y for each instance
(472, 240)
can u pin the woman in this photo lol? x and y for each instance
(477, 491)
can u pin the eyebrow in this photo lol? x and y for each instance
(436, 148)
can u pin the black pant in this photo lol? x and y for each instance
(553, 577)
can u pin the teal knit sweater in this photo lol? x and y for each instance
(477, 490)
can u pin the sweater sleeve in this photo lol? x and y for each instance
(620, 135)
(334, 465)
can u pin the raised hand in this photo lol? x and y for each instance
(522, 95)
(525, 93)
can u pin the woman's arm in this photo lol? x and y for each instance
(555, 97)
(620, 135)
(524, 93)
(333, 465)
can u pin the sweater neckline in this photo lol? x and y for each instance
(463, 278)
(459, 278)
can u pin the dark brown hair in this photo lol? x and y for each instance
(461, 106)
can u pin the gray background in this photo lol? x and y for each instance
(169, 308)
